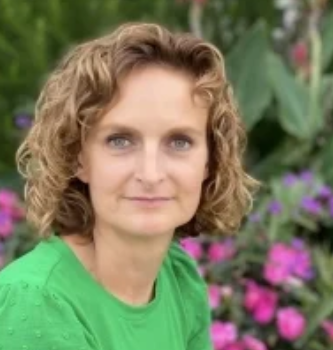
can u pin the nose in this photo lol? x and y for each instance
(150, 169)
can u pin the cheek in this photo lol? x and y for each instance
(107, 175)
(192, 177)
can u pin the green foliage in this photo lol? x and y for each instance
(35, 34)
(250, 80)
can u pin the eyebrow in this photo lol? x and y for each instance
(121, 128)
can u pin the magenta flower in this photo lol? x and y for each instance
(214, 294)
(291, 323)
(237, 345)
(265, 309)
(261, 302)
(8, 199)
(286, 261)
(328, 328)
(223, 334)
(192, 247)
(276, 273)
(252, 343)
(279, 264)
(221, 251)
(252, 295)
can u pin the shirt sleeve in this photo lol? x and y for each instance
(200, 337)
(33, 318)
(195, 294)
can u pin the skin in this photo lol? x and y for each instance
(145, 161)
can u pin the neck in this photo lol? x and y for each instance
(125, 265)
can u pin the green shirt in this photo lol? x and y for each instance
(49, 301)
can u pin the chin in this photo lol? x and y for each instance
(151, 227)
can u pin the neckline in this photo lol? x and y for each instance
(125, 310)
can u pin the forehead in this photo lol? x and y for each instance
(156, 96)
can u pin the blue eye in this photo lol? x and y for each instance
(181, 144)
(119, 142)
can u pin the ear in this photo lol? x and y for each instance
(81, 172)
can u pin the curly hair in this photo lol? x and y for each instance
(80, 89)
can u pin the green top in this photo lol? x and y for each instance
(49, 301)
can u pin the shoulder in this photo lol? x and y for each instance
(194, 290)
(191, 284)
(185, 268)
(33, 309)
(37, 316)
(35, 266)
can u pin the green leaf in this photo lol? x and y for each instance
(246, 70)
(320, 312)
(324, 161)
(327, 41)
(326, 92)
(293, 99)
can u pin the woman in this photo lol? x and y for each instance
(136, 143)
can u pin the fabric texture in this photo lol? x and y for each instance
(48, 300)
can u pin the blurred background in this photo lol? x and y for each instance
(271, 285)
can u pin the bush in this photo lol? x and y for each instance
(270, 287)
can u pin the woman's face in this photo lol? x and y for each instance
(145, 160)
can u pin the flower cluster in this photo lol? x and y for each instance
(225, 337)
(265, 284)
(287, 262)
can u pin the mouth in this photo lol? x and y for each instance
(149, 202)
(149, 199)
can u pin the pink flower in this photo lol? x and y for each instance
(223, 334)
(261, 302)
(221, 251)
(238, 345)
(214, 293)
(252, 343)
(285, 262)
(192, 247)
(252, 295)
(265, 309)
(8, 199)
(291, 323)
(328, 328)
(275, 273)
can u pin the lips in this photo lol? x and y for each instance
(149, 199)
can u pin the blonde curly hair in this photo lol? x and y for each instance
(79, 91)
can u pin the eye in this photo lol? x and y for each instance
(119, 141)
(181, 143)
